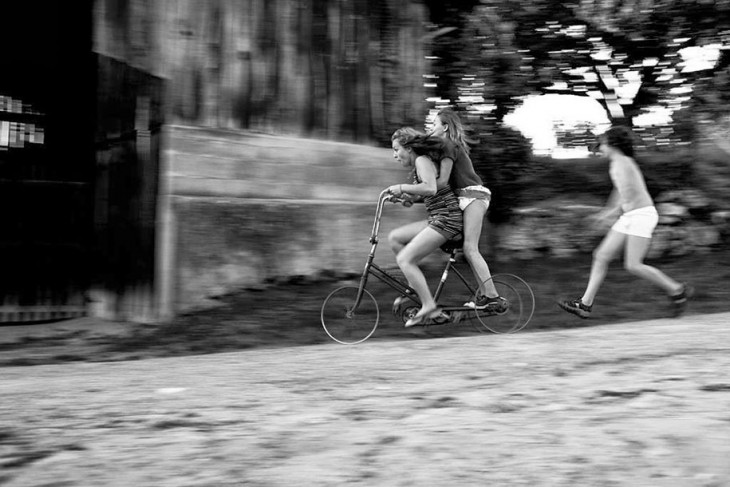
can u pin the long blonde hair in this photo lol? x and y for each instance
(455, 132)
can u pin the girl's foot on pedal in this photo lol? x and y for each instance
(483, 302)
(422, 318)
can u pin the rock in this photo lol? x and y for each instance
(679, 248)
(563, 252)
(691, 198)
(702, 235)
(720, 217)
(672, 209)
(694, 199)
(526, 254)
(661, 242)
(687, 223)
(517, 238)
(669, 220)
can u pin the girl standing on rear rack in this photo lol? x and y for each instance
(414, 241)
(474, 199)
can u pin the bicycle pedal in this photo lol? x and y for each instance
(457, 316)
(444, 319)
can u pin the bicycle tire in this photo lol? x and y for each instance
(517, 315)
(345, 325)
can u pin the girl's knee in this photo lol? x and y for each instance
(602, 256)
(471, 252)
(403, 259)
(395, 241)
(470, 247)
(392, 236)
(634, 267)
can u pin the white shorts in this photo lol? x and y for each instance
(473, 193)
(640, 222)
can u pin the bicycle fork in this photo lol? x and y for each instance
(365, 274)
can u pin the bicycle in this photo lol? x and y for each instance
(350, 314)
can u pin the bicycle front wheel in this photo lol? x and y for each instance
(343, 321)
(515, 309)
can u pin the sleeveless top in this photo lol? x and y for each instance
(463, 173)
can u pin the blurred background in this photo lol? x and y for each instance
(156, 155)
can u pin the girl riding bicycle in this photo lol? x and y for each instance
(414, 241)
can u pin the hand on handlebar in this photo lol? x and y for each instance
(403, 199)
(395, 195)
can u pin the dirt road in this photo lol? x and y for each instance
(635, 404)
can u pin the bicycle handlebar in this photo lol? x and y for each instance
(387, 196)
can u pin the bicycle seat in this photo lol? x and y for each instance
(453, 245)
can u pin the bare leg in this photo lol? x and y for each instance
(419, 247)
(473, 219)
(400, 237)
(636, 249)
(602, 257)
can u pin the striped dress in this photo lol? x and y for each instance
(444, 214)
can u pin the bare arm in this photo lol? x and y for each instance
(447, 165)
(426, 170)
(613, 206)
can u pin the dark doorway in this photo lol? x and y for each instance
(47, 92)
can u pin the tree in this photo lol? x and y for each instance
(447, 18)
(652, 33)
(626, 55)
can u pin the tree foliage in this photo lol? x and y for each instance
(658, 30)
(626, 55)
(503, 160)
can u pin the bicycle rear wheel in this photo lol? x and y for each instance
(343, 322)
(512, 315)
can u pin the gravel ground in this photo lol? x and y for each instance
(636, 404)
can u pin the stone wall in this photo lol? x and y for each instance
(689, 222)
(241, 209)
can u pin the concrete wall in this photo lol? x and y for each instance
(238, 209)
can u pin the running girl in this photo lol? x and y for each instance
(632, 232)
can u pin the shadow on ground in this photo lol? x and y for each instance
(287, 314)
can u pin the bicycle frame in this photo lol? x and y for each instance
(373, 269)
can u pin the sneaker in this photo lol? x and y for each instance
(679, 300)
(576, 307)
(497, 304)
